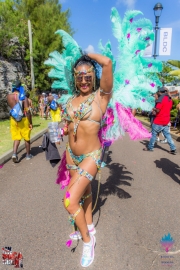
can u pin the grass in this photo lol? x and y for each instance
(143, 118)
(5, 135)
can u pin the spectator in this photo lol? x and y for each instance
(134, 112)
(178, 116)
(162, 119)
(55, 109)
(20, 120)
(41, 105)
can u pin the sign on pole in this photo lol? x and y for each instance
(165, 41)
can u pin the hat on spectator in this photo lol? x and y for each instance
(162, 89)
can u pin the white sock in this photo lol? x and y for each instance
(90, 227)
(89, 243)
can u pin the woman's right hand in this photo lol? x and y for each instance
(65, 129)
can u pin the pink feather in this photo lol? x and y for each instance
(69, 243)
(108, 119)
(130, 124)
(63, 176)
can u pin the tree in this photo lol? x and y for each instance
(164, 76)
(46, 17)
(12, 24)
(175, 63)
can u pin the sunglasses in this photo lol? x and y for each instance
(87, 78)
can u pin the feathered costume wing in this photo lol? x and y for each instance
(62, 65)
(135, 79)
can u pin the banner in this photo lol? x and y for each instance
(165, 41)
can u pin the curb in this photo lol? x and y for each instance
(7, 156)
(174, 136)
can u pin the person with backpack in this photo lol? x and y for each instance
(55, 110)
(20, 119)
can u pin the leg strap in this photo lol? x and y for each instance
(72, 217)
(84, 198)
(80, 171)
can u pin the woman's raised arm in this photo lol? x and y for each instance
(106, 82)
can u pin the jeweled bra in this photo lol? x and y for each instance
(83, 109)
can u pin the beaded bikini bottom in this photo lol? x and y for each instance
(95, 155)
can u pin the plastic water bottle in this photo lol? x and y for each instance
(105, 150)
(53, 130)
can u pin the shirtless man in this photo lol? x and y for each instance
(21, 129)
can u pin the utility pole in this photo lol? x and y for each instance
(31, 51)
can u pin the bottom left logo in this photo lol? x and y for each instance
(12, 258)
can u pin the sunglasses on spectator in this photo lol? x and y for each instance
(87, 78)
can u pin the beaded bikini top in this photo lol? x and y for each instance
(83, 109)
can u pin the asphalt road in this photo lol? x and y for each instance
(139, 203)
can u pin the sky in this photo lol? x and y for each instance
(90, 20)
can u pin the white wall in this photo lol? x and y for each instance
(173, 88)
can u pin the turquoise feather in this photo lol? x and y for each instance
(63, 63)
(133, 79)
(116, 23)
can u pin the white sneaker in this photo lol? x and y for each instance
(14, 158)
(77, 235)
(88, 252)
(28, 157)
(163, 141)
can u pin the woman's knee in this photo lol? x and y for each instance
(70, 204)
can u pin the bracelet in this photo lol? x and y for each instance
(105, 92)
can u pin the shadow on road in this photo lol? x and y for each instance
(35, 150)
(170, 168)
(156, 145)
(118, 176)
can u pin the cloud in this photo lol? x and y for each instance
(90, 49)
(130, 4)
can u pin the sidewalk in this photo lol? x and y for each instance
(7, 156)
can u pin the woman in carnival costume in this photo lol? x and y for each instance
(83, 116)
(89, 84)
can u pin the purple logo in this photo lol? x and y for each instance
(167, 242)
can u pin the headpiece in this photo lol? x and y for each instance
(83, 71)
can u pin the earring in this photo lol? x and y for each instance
(75, 85)
(94, 83)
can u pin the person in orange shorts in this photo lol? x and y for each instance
(20, 127)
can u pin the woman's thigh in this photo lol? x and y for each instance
(79, 184)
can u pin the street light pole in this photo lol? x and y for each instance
(157, 12)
